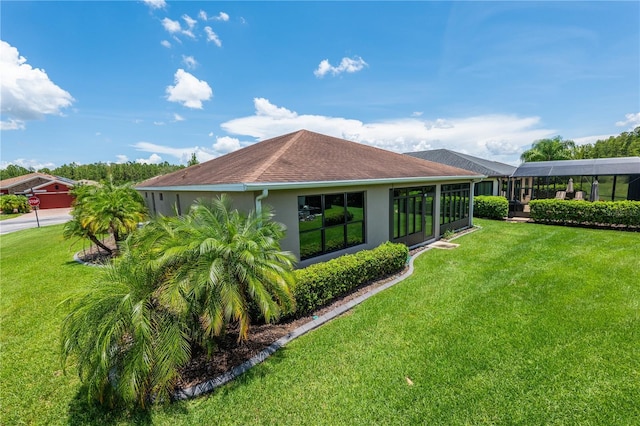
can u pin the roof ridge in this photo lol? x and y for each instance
(274, 157)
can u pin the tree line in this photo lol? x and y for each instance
(118, 174)
(626, 144)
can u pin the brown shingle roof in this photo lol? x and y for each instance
(7, 183)
(304, 156)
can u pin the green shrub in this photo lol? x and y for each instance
(336, 218)
(320, 283)
(625, 213)
(14, 203)
(490, 207)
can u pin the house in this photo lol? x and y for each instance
(53, 191)
(599, 179)
(334, 196)
(497, 173)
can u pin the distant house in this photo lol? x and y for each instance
(53, 191)
(334, 196)
(497, 173)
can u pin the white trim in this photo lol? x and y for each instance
(259, 186)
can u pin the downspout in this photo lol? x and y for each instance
(259, 198)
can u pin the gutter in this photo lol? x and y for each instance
(259, 186)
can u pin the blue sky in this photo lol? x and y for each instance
(151, 81)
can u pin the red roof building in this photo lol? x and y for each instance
(53, 191)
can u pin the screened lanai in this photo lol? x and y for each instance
(600, 179)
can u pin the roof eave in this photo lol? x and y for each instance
(255, 186)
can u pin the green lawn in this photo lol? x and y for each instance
(5, 216)
(522, 323)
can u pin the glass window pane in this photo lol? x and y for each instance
(334, 210)
(310, 212)
(411, 217)
(418, 214)
(310, 244)
(355, 234)
(355, 206)
(403, 217)
(428, 217)
(396, 218)
(334, 238)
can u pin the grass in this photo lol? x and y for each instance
(5, 216)
(522, 323)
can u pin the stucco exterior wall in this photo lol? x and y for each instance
(285, 207)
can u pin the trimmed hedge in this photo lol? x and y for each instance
(607, 213)
(490, 207)
(320, 283)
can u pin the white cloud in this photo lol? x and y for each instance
(226, 144)
(27, 93)
(212, 36)
(12, 124)
(631, 119)
(155, 4)
(416, 114)
(188, 90)
(153, 159)
(499, 137)
(346, 65)
(159, 123)
(121, 158)
(28, 164)
(177, 117)
(172, 27)
(210, 134)
(189, 21)
(222, 17)
(182, 154)
(203, 15)
(590, 139)
(166, 44)
(189, 61)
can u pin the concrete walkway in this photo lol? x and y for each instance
(28, 220)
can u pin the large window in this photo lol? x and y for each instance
(412, 214)
(330, 222)
(483, 188)
(454, 204)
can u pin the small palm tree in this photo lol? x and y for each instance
(223, 262)
(126, 344)
(177, 285)
(105, 209)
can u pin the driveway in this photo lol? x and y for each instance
(46, 217)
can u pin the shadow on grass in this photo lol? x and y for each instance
(83, 411)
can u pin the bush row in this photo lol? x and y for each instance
(490, 207)
(14, 203)
(584, 212)
(318, 284)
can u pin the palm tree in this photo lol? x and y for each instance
(549, 149)
(127, 345)
(105, 209)
(177, 285)
(224, 263)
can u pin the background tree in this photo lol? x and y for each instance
(193, 161)
(549, 150)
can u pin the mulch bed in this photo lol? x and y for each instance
(231, 353)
